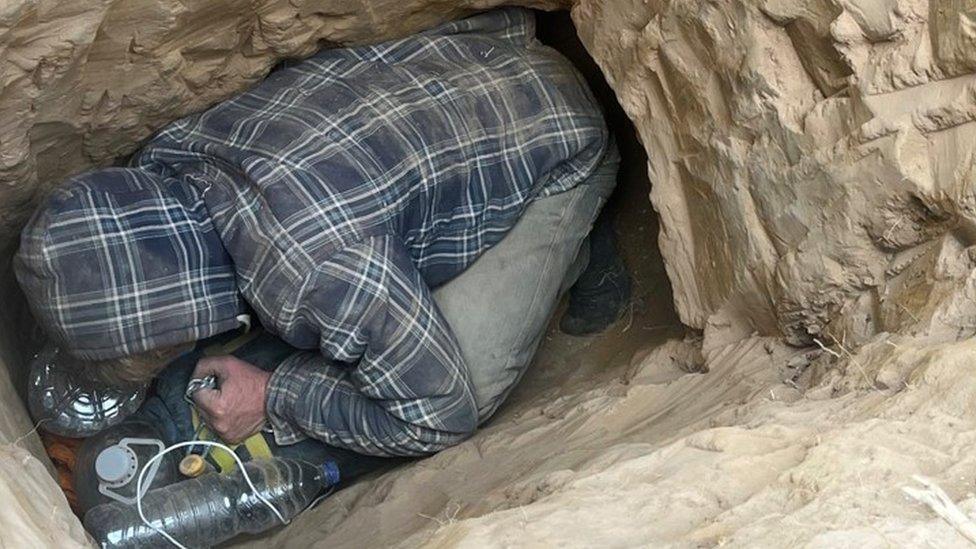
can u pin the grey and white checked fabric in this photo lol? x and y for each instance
(120, 261)
(332, 197)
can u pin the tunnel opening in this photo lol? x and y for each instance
(562, 361)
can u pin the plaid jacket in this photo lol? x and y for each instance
(328, 200)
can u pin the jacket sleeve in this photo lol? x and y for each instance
(390, 379)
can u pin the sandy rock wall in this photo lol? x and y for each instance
(82, 83)
(812, 160)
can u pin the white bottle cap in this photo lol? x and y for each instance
(115, 464)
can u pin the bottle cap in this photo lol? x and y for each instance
(192, 465)
(115, 464)
(331, 472)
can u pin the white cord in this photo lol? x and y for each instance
(240, 465)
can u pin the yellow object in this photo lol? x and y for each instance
(192, 466)
(232, 345)
(256, 446)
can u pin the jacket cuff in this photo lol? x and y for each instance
(287, 384)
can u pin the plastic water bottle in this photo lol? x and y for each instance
(214, 507)
(107, 464)
(65, 403)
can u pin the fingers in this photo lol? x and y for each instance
(215, 365)
(235, 410)
(207, 399)
(213, 411)
(208, 402)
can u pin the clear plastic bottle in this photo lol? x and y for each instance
(214, 507)
(95, 485)
(66, 404)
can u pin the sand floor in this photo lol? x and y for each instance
(654, 454)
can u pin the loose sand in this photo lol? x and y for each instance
(653, 455)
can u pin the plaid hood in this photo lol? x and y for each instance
(121, 261)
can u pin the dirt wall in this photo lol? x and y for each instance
(812, 161)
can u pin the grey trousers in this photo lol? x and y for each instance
(500, 306)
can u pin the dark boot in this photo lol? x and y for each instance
(602, 292)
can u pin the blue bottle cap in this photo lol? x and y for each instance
(331, 470)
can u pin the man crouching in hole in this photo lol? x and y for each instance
(405, 216)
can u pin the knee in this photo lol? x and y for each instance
(605, 173)
(459, 421)
(459, 427)
(467, 422)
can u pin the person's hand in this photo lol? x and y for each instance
(236, 409)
